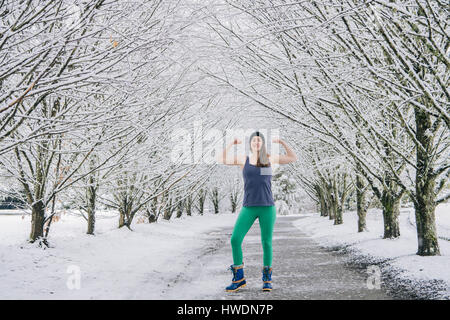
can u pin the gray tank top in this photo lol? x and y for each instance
(257, 185)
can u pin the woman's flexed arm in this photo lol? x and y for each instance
(235, 160)
(289, 157)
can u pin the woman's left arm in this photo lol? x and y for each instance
(289, 157)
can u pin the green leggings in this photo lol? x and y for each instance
(245, 220)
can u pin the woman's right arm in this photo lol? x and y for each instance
(234, 160)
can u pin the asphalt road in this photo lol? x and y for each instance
(302, 270)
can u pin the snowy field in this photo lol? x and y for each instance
(120, 264)
(113, 264)
(400, 253)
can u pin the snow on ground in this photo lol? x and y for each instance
(120, 264)
(113, 264)
(400, 253)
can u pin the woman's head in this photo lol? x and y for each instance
(258, 146)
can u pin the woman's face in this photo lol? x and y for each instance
(256, 143)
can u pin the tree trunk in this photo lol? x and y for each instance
(340, 199)
(122, 218)
(335, 205)
(331, 212)
(338, 218)
(329, 200)
(233, 201)
(361, 207)
(168, 208)
(391, 211)
(201, 201)
(323, 205)
(37, 221)
(151, 218)
(361, 210)
(180, 207)
(425, 183)
(189, 205)
(125, 216)
(91, 198)
(215, 200)
(91, 221)
(152, 212)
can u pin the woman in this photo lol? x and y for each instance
(258, 203)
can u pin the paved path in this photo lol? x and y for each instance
(301, 269)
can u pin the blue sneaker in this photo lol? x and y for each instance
(238, 278)
(267, 278)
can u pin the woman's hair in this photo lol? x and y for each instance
(262, 159)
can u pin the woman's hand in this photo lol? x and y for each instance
(236, 160)
(276, 140)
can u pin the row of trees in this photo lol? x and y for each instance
(365, 84)
(89, 92)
